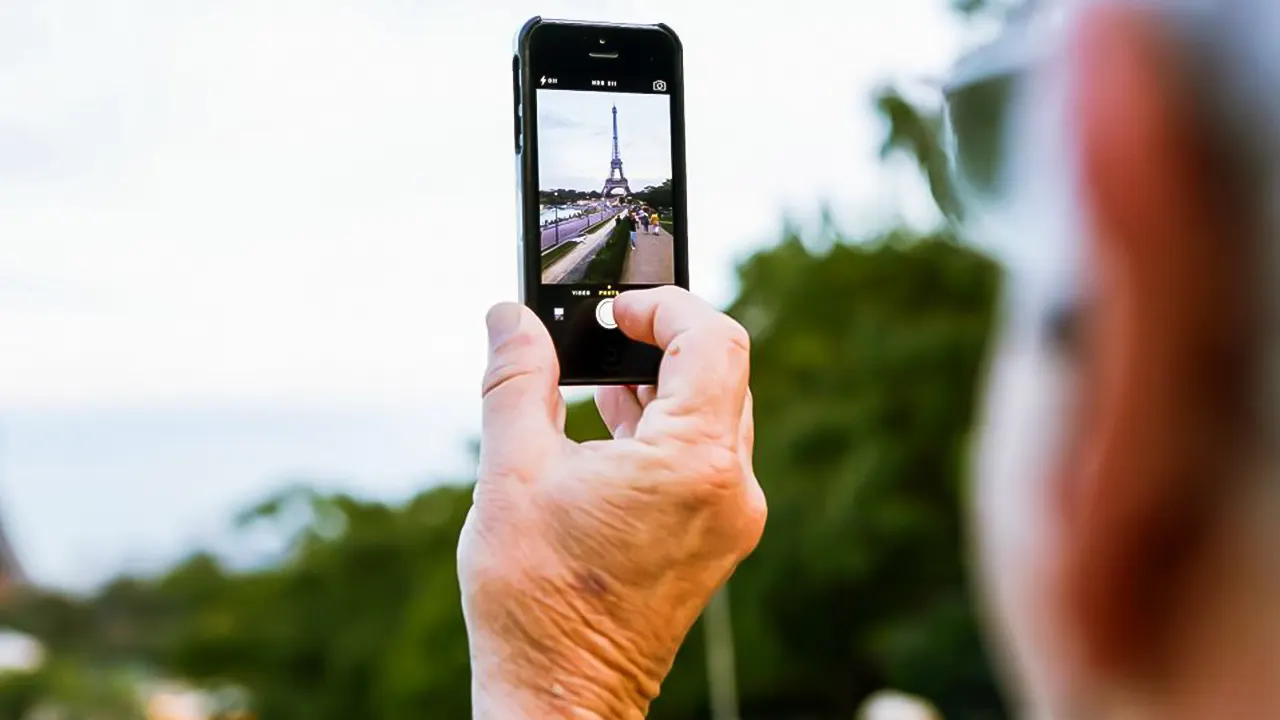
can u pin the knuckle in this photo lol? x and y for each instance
(663, 292)
(491, 473)
(478, 566)
(516, 343)
(691, 466)
(505, 372)
(737, 337)
(694, 424)
(732, 501)
(717, 467)
(757, 512)
(724, 337)
(749, 533)
(500, 375)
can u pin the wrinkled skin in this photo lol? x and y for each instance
(583, 566)
(1126, 506)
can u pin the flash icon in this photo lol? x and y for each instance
(544, 79)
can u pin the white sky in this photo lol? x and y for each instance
(575, 138)
(308, 204)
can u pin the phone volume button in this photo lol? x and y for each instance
(515, 86)
(519, 117)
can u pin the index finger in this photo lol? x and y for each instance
(706, 357)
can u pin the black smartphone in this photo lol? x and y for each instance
(599, 141)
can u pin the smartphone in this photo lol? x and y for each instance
(599, 142)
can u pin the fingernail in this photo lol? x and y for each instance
(503, 321)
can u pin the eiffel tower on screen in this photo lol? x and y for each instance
(616, 180)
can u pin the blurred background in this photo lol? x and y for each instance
(245, 252)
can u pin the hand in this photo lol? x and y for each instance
(583, 566)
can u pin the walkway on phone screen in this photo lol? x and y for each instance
(577, 258)
(652, 262)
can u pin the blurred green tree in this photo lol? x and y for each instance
(362, 620)
(656, 196)
(70, 690)
(865, 357)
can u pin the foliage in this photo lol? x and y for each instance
(864, 358)
(567, 197)
(606, 266)
(70, 690)
(366, 623)
(20, 693)
(658, 196)
(864, 364)
(549, 257)
(918, 132)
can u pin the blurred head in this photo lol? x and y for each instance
(1121, 157)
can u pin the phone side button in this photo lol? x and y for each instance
(515, 87)
(524, 295)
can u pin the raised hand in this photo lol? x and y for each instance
(583, 566)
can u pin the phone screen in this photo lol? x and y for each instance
(605, 199)
(604, 182)
(608, 172)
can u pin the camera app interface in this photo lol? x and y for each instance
(605, 193)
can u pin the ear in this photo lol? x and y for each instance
(1168, 342)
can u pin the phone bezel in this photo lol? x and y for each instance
(544, 46)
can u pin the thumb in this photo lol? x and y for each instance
(521, 394)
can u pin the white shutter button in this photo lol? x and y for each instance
(604, 314)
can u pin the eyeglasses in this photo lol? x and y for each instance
(979, 100)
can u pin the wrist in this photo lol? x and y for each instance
(536, 681)
(550, 698)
